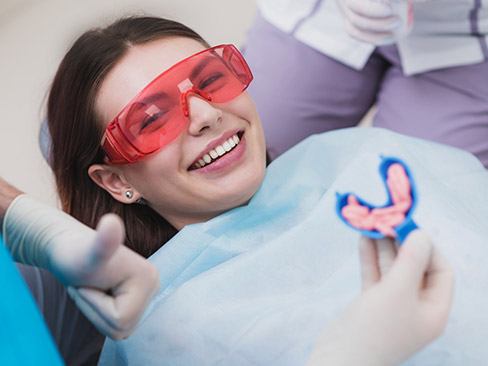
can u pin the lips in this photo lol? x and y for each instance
(218, 148)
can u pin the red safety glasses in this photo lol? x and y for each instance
(160, 112)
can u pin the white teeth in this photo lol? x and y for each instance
(226, 146)
(220, 150)
(217, 152)
(213, 154)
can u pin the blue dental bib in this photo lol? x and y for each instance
(258, 284)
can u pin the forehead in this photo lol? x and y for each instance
(140, 65)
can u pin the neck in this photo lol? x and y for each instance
(179, 222)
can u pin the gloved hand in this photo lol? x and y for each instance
(378, 22)
(404, 306)
(110, 283)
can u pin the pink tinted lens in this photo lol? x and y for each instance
(155, 117)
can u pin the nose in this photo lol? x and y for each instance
(203, 115)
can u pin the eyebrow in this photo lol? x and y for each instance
(155, 96)
(194, 73)
(200, 66)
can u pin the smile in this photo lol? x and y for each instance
(217, 152)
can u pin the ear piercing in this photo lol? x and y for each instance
(129, 194)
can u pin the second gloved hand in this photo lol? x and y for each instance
(371, 21)
(404, 305)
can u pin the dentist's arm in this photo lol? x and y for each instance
(110, 283)
(401, 309)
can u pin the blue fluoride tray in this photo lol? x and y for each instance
(407, 225)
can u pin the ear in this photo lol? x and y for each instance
(112, 181)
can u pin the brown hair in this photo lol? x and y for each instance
(76, 131)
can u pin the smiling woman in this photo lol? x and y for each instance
(204, 113)
(106, 83)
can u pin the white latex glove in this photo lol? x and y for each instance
(401, 309)
(110, 283)
(377, 22)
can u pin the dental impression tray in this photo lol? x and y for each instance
(393, 219)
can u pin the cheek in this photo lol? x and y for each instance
(243, 106)
(152, 174)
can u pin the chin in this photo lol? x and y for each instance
(247, 189)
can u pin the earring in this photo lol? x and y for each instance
(129, 194)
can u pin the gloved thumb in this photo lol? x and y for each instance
(109, 236)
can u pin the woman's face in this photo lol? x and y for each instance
(168, 179)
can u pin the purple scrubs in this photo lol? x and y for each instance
(300, 91)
